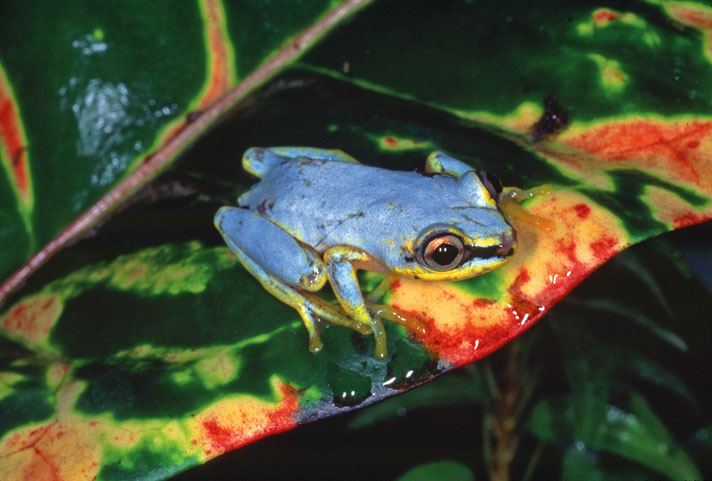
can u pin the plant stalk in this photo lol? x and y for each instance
(504, 426)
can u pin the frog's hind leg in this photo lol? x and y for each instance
(258, 160)
(341, 265)
(440, 163)
(285, 270)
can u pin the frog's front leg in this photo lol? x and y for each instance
(440, 163)
(284, 267)
(258, 160)
(342, 262)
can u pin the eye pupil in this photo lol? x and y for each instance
(444, 254)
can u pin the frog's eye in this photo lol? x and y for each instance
(444, 252)
(491, 182)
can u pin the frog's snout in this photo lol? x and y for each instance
(507, 245)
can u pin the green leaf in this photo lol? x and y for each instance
(589, 374)
(117, 98)
(638, 436)
(439, 470)
(624, 311)
(586, 465)
(551, 420)
(641, 436)
(653, 372)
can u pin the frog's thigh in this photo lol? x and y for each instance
(258, 161)
(440, 163)
(271, 248)
(341, 263)
(230, 221)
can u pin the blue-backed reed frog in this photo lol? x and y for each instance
(319, 215)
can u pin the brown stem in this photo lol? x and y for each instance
(505, 422)
(164, 157)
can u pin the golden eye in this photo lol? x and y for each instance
(444, 252)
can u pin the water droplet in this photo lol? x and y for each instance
(349, 388)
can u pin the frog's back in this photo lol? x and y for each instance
(324, 203)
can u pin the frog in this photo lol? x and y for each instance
(319, 215)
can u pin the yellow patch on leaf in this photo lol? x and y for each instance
(56, 450)
(612, 77)
(238, 420)
(31, 320)
(674, 211)
(694, 15)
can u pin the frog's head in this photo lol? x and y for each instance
(472, 238)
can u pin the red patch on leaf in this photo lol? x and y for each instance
(242, 423)
(582, 210)
(478, 335)
(521, 279)
(666, 148)
(569, 249)
(603, 16)
(459, 346)
(689, 219)
(11, 138)
(391, 142)
(604, 248)
(221, 439)
(482, 302)
(691, 15)
(219, 46)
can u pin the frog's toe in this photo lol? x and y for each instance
(258, 161)
(441, 163)
(390, 313)
(315, 344)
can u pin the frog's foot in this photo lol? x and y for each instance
(258, 161)
(513, 196)
(389, 312)
(333, 314)
(341, 265)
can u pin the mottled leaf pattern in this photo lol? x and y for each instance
(147, 349)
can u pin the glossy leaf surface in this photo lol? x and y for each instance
(148, 349)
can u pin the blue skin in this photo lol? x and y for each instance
(319, 215)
